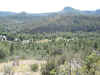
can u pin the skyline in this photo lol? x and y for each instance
(45, 6)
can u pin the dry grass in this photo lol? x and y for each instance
(24, 67)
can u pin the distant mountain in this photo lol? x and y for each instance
(97, 11)
(68, 19)
(76, 11)
(70, 10)
(66, 10)
(6, 13)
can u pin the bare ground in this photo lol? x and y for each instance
(23, 68)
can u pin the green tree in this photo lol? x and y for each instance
(90, 63)
(11, 49)
(95, 45)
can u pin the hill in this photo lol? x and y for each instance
(69, 19)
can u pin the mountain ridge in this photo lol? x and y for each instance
(65, 10)
(68, 19)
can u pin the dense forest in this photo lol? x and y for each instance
(59, 23)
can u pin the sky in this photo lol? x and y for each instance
(44, 6)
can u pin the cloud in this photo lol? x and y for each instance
(40, 6)
(36, 6)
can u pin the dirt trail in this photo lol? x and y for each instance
(23, 68)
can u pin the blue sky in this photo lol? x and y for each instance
(43, 6)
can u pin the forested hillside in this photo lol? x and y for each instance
(68, 19)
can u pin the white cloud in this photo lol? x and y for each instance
(36, 6)
(40, 6)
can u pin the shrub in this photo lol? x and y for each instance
(49, 68)
(34, 67)
(2, 54)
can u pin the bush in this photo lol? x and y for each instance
(34, 67)
(2, 54)
(49, 68)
